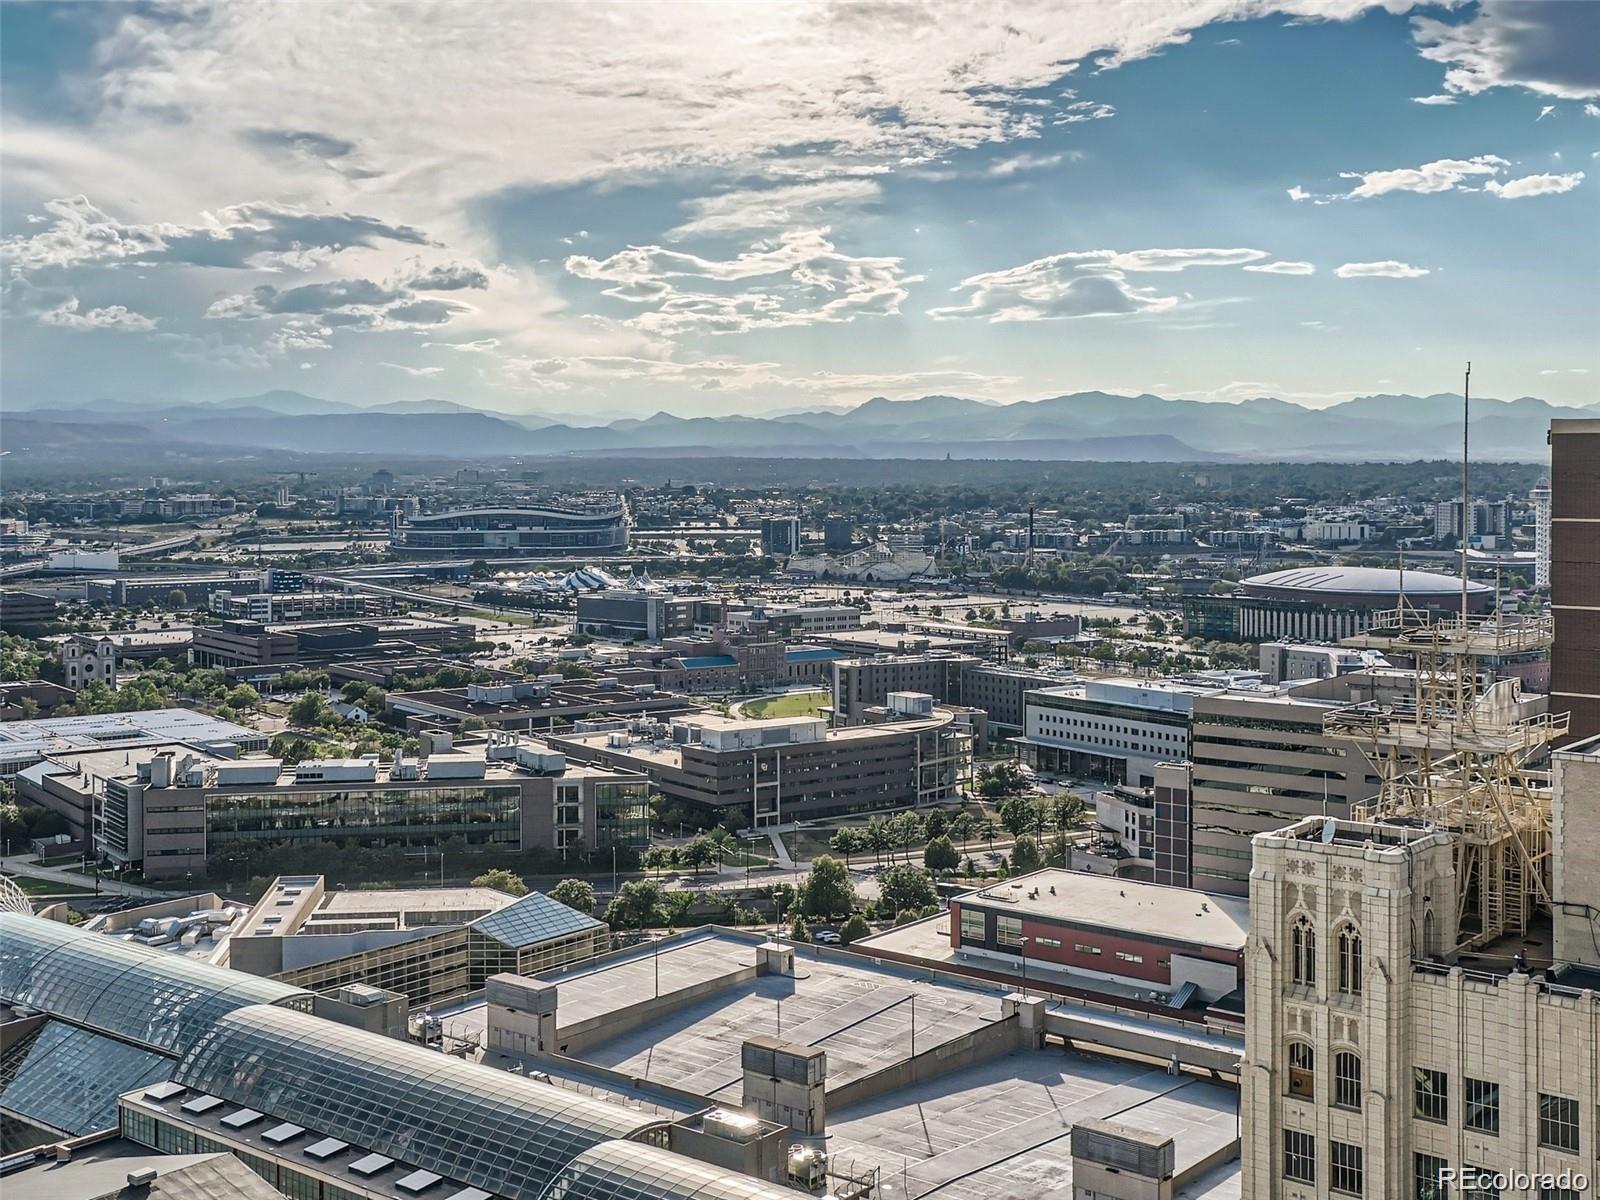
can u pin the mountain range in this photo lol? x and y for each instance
(1096, 426)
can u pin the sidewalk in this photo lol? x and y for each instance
(19, 864)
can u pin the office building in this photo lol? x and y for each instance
(175, 810)
(766, 772)
(600, 527)
(1575, 573)
(1324, 604)
(1115, 730)
(261, 647)
(999, 691)
(837, 533)
(428, 944)
(29, 741)
(532, 704)
(647, 615)
(19, 607)
(780, 536)
(1491, 519)
(1283, 661)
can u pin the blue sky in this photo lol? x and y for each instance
(604, 210)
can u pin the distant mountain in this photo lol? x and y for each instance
(1098, 426)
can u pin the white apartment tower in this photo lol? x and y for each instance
(1540, 498)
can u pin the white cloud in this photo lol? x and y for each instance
(1544, 112)
(482, 346)
(1591, 110)
(774, 208)
(113, 317)
(1385, 269)
(804, 280)
(1298, 193)
(259, 235)
(1565, 371)
(1017, 164)
(1082, 283)
(420, 372)
(1283, 268)
(1547, 48)
(1534, 185)
(1433, 100)
(1442, 175)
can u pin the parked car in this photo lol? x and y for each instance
(825, 937)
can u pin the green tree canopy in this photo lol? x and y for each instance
(501, 880)
(827, 890)
(576, 894)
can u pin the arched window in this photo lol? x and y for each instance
(1302, 1070)
(1350, 960)
(1347, 1079)
(1303, 951)
(1430, 935)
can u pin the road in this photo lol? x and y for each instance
(19, 864)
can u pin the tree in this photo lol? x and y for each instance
(849, 840)
(1156, 625)
(1068, 810)
(941, 855)
(987, 829)
(177, 598)
(1025, 854)
(501, 880)
(1018, 814)
(905, 887)
(656, 858)
(242, 697)
(308, 709)
(638, 904)
(827, 890)
(700, 852)
(800, 931)
(576, 894)
(935, 823)
(854, 929)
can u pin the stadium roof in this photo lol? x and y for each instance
(501, 1132)
(533, 919)
(161, 1001)
(1368, 580)
(629, 1171)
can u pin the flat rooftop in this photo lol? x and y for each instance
(999, 1130)
(1143, 909)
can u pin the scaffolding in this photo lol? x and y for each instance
(1457, 754)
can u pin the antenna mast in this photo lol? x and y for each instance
(1466, 515)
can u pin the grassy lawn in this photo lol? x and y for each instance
(44, 887)
(793, 704)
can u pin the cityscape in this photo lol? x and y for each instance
(715, 601)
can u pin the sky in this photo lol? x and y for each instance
(609, 209)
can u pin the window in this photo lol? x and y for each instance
(1008, 931)
(1299, 1156)
(1346, 1080)
(1483, 1106)
(1130, 958)
(1344, 1168)
(1558, 1123)
(1350, 961)
(1425, 1173)
(1479, 1184)
(1081, 948)
(1430, 1092)
(1052, 943)
(1555, 1193)
(972, 927)
(1304, 948)
(1302, 1069)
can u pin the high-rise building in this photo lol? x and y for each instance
(1540, 498)
(780, 536)
(838, 533)
(1575, 573)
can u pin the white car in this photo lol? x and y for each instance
(826, 937)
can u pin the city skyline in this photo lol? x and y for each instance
(644, 208)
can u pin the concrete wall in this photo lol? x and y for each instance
(1002, 1037)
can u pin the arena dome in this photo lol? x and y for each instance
(1367, 587)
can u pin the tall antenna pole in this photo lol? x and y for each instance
(1466, 515)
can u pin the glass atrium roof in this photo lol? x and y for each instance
(629, 1171)
(68, 1079)
(501, 1132)
(533, 919)
(153, 997)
